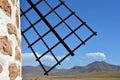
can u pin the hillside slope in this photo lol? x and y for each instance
(90, 68)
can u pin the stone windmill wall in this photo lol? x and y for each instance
(10, 40)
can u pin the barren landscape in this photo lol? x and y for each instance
(71, 79)
(90, 76)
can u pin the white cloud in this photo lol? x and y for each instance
(48, 57)
(96, 55)
(28, 55)
(29, 59)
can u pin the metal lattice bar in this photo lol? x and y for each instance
(48, 24)
(64, 20)
(85, 41)
(34, 53)
(46, 45)
(40, 36)
(52, 29)
(23, 13)
(31, 47)
(56, 64)
(60, 42)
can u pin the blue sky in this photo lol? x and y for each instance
(103, 16)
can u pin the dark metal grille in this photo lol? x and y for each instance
(53, 25)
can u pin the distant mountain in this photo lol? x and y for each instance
(35, 70)
(97, 66)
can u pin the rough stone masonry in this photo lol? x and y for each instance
(10, 40)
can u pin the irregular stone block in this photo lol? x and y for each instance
(17, 17)
(5, 46)
(13, 2)
(18, 41)
(5, 6)
(17, 55)
(1, 68)
(13, 71)
(11, 29)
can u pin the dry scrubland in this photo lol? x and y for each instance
(91, 76)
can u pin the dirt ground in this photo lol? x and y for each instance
(58, 78)
(90, 76)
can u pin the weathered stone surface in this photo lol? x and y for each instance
(17, 55)
(5, 46)
(10, 8)
(19, 70)
(5, 6)
(19, 42)
(13, 2)
(13, 71)
(1, 68)
(17, 17)
(11, 29)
